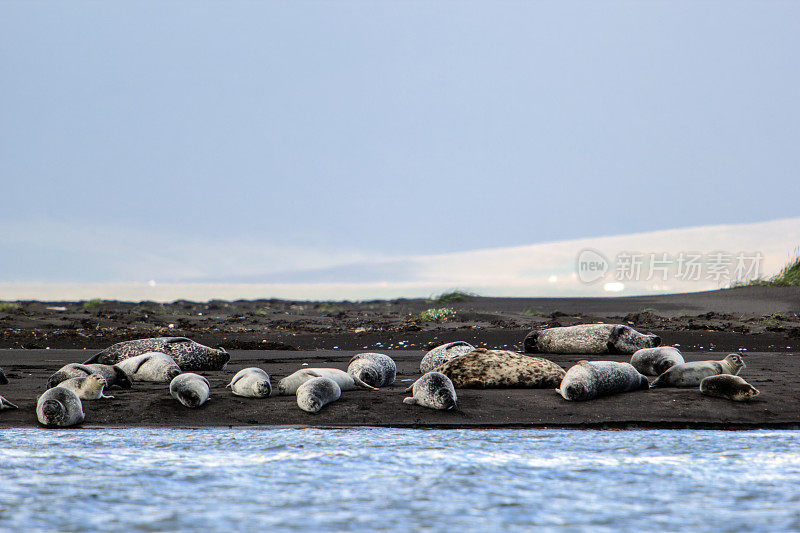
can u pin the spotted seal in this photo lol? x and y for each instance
(729, 387)
(88, 388)
(656, 361)
(691, 374)
(484, 369)
(588, 380)
(188, 354)
(59, 407)
(155, 367)
(316, 393)
(192, 390)
(289, 384)
(374, 369)
(433, 390)
(251, 383)
(3, 378)
(589, 339)
(113, 374)
(5, 404)
(442, 354)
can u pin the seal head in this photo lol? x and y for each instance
(59, 407)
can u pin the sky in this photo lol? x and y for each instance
(138, 139)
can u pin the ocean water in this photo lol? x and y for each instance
(392, 479)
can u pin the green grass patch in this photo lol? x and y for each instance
(92, 304)
(452, 297)
(789, 276)
(442, 314)
(328, 307)
(8, 307)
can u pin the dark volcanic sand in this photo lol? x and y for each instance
(776, 376)
(762, 322)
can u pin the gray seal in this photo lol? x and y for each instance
(192, 390)
(59, 407)
(188, 354)
(483, 369)
(3, 378)
(588, 380)
(290, 383)
(728, 387)
(374, 369)
(691, 374)
(155, 367)
(251, 383)
(316, 393)
(656, 361)
(113, 374)
(5, 404)
(433, 390)
(88, 388)
(589, 339)
(441, 354)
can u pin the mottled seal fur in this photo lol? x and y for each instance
(656, 361)
(290, 383)
(251, 383)
(192, 390)
(729, 387)
(442, 354)
(589, 339)
(5, 404)
(59, 407)
(88, 388)
(113, 374)
(316, 393)
(588, 380)
(374, 369)
(433, 390)
(691, 374)
(484, 369)
(3, 378)
(155, 367)
(188, 354)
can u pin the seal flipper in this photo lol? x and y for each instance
(410, 400)
(5, 404)
(174, 340)
(361, 384)
(95, 358)
(140, 362)
(409, 389)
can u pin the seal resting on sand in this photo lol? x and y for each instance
(374, 369)
(442, 354)
(316, 393)
(251, 383)
(290, 383)
(59, 407)
(728, 387)
(113, 374)
(656, 361)
(88, 388)
(589, 339)
(433, 390)
(588, 380)
(691, 374)
(484, 369)
(192, 390)
(155, 367)
(188, 354)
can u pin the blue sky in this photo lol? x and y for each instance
(372, 129)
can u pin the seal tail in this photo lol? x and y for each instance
(94, 359)
(656, 383)
(361, 384)
(410, 401)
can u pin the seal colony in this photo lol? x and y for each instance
(458, 365)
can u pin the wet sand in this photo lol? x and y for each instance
(776, 375)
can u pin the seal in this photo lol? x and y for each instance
(113, 374)
(251, 383)
(59, 407)
(589, 339)
(691, 374)
(155, 367)
(484, 369)
(88, 388)
(316, 393)
(3, 378)
(374, 369)
(656, 361)
(5, 404)
(433, 390)
(188, 354)
(729, 387)
(289, 384)
(442, 354)
(588, 380)
(192, 390)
